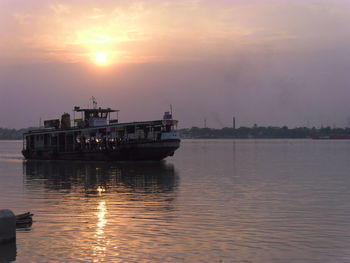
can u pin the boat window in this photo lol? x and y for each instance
(130, 129)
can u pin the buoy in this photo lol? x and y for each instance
(8, 251)
(7, 226)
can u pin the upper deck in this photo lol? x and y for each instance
(97, 118)
(154, 123)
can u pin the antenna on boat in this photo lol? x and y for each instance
(171, 110)
(94, 102)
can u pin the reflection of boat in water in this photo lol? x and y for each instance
(95, 207)
(96, 137)
(93, 177)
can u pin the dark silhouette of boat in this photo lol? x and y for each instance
(96, 137)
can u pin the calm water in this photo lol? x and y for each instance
(214, 201)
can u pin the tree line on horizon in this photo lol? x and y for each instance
(262, 132)
(239, 133)
(12, 134)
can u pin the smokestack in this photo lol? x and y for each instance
(234, 123)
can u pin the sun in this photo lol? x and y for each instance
(101, 58)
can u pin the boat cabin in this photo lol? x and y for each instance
(94, 117)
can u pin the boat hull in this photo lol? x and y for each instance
(154, 151)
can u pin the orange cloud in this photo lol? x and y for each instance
(134, 32)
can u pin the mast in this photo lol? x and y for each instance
(94, 102)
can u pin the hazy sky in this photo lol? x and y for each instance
(270, 62)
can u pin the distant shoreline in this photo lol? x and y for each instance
(197, 138)
(255, 132)
(269, 132)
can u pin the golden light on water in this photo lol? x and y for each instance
(102, 211)
(99, 249)
(100, 190)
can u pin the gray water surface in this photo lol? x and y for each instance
(214, 201)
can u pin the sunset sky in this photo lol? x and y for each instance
(270, 62)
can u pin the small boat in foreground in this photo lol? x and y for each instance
(96, 137)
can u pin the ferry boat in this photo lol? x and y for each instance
(95, 136)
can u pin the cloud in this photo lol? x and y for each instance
(267, 62)
(60, 9)
(171, 30)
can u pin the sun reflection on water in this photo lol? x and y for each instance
(100, 190)
(101, 243)
(101, 215)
